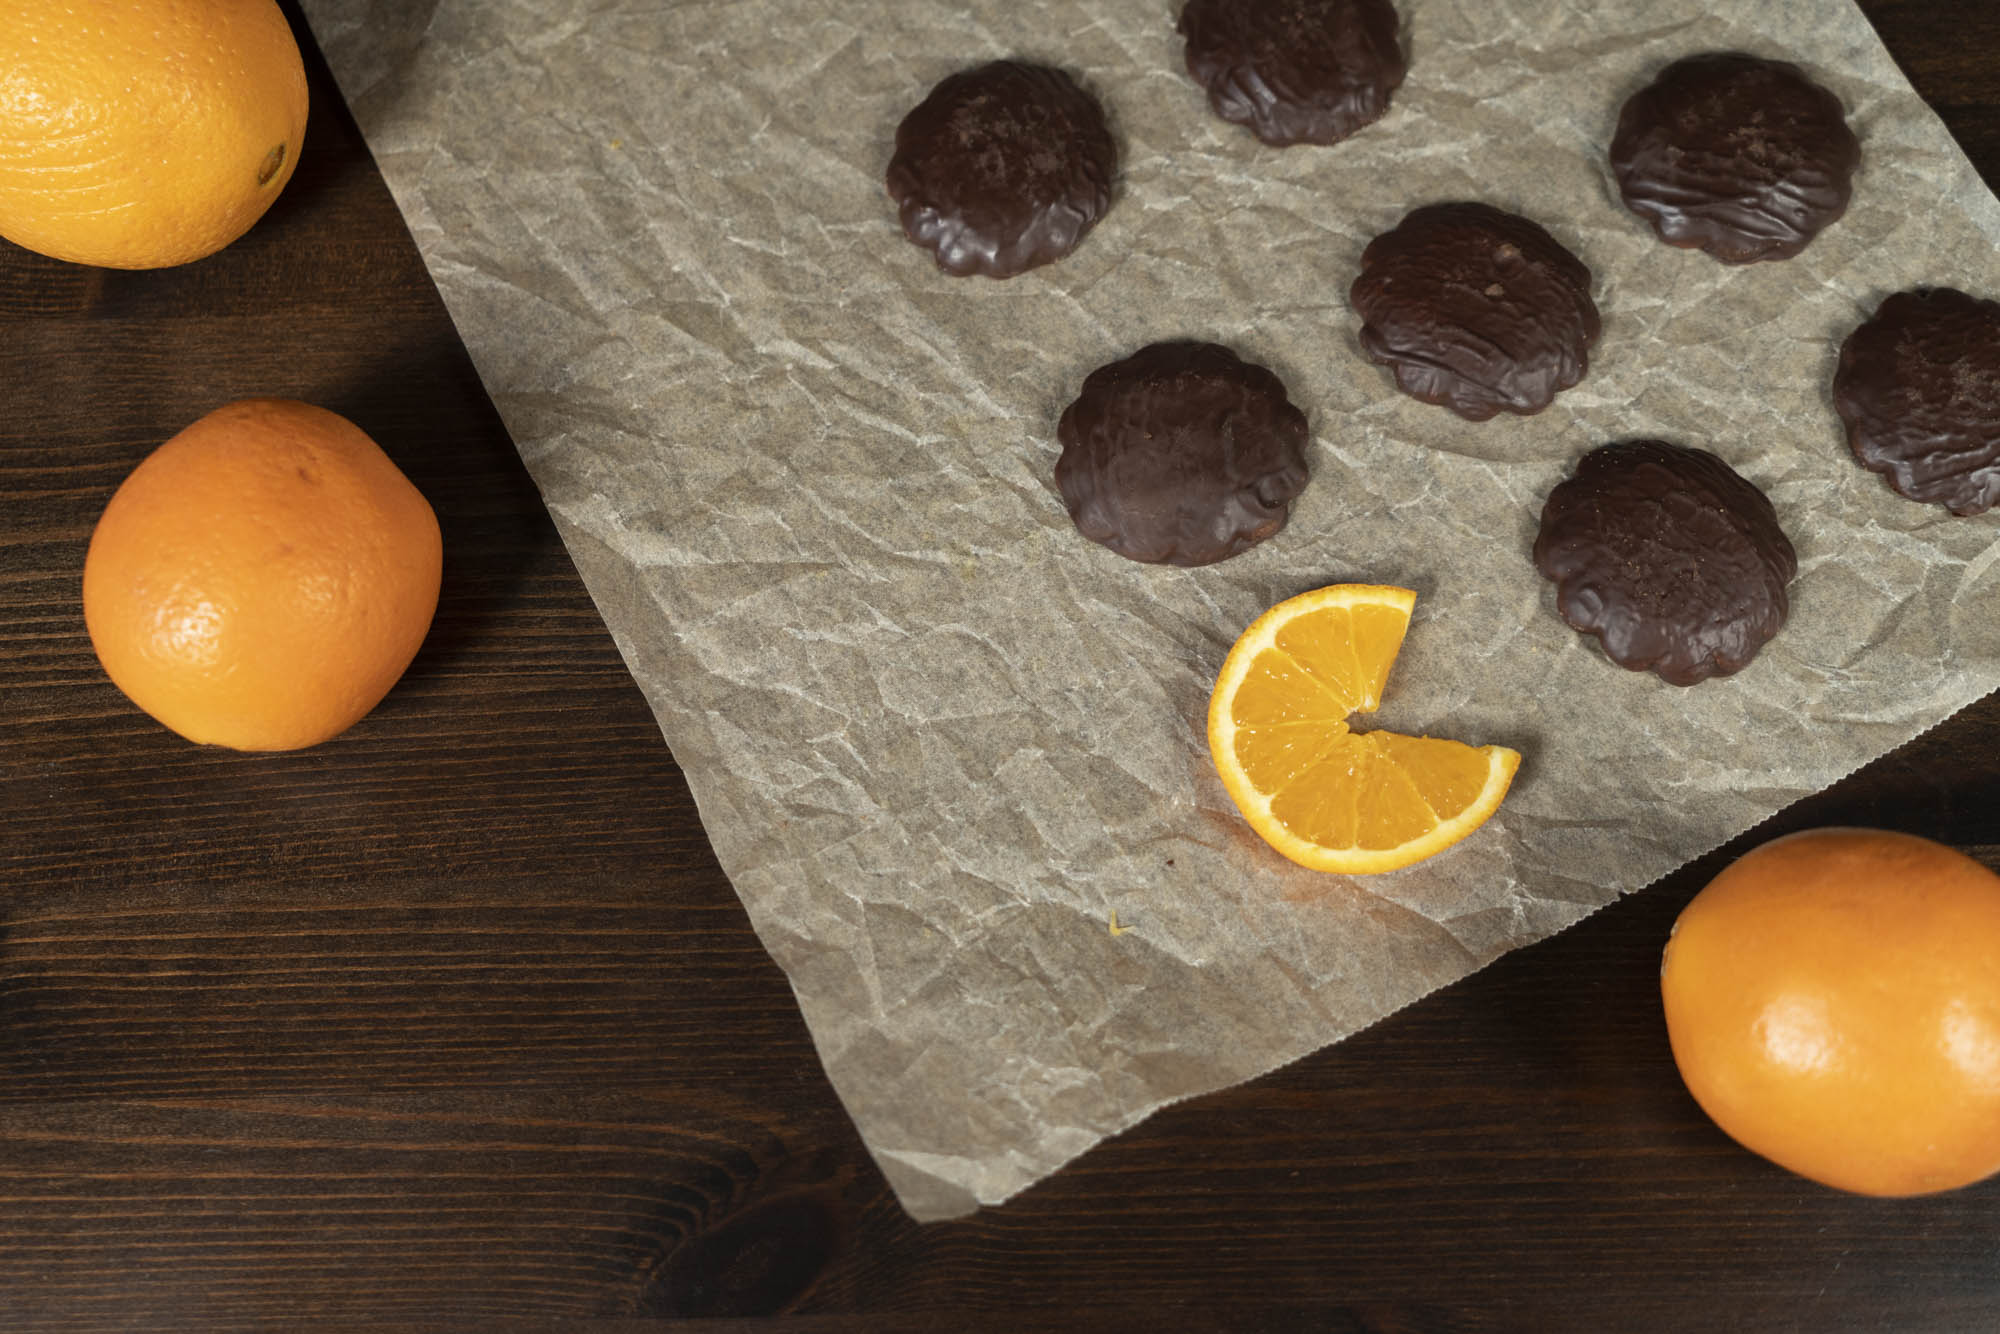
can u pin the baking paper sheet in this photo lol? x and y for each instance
(937, 739)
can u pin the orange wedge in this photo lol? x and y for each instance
(1328, 797)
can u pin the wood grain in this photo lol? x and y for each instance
(454, 1023)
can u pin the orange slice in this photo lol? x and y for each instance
(1327, 797)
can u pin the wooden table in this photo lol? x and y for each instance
(454, 1022)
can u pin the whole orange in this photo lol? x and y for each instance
(1833, 1000)
(263, 578)
(136, 134)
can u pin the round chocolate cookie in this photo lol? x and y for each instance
(1002, 168)
(1669, 557)
(1295, 71)
(1475, 309)
(1743, 157)
(1181, 454)
(1919, 388)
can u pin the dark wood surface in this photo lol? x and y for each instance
(454, 1022)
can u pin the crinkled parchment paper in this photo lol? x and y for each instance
(937, 738)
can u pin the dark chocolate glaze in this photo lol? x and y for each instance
(1674, 561)
(1919, 387)
(1181, 454)
(1002, 168)
(1745, 158)
(1295, 71)
(1475, 309)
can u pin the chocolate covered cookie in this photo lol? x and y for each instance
(1181, 454)
(1475, 309)
(1295, 71)
(1745, 158)
(1919, 387)
(1002, 168)
(1674, 561)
